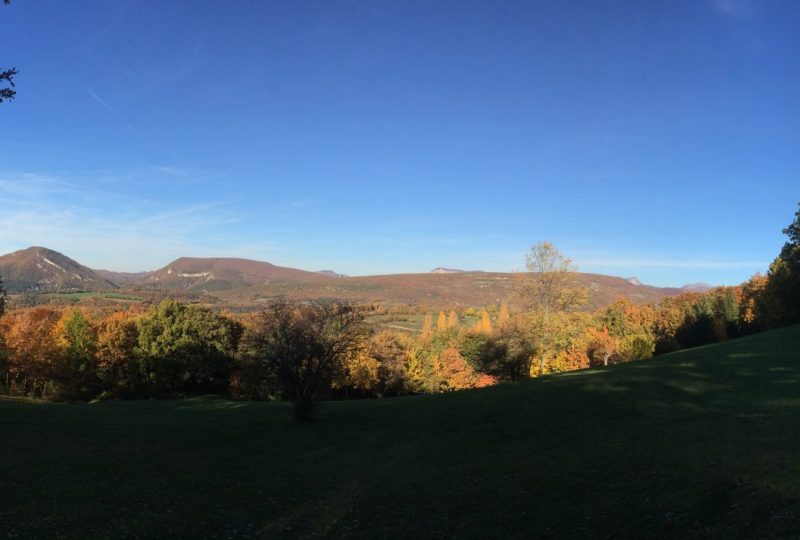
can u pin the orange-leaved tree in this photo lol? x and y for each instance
(452, 319)
(453, 371)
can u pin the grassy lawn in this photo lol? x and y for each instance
(693, 444)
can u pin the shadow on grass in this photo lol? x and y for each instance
(699, 443)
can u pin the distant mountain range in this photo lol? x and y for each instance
(244, 281)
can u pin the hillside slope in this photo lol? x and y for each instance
(697, 444)
(210, 275)
(123, 279)
(245, 281)
(44, 270)
(443, 290)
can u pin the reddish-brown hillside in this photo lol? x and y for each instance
(211, 275)
(123, 279)
(441, 290)
(244, 281)
(39, 269)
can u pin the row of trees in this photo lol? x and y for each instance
(451, 320)
(300, 351)
(171, 348)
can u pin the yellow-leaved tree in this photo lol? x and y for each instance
(486, 323)
(441, 322)
(503, 315)
(452, 319)
(549, 287)
(427, 326)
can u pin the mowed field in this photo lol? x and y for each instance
(700, 443)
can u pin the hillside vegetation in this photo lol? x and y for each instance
(247, 282)
(439, 291)
(697, 443)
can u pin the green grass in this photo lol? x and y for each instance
(701, 443)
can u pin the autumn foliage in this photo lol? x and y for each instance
(175, 349)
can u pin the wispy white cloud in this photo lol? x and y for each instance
(101, 227)
(26, 186)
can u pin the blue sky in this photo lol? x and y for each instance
(656, 139)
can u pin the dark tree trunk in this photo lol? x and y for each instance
(303, 404)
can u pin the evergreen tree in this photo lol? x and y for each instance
(781, 300)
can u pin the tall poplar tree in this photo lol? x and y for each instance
(452, 319)
(441, 322)
(427, 326)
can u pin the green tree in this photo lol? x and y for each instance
(77, 338)
(186, 349)
(472, 345)
(781, 297)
